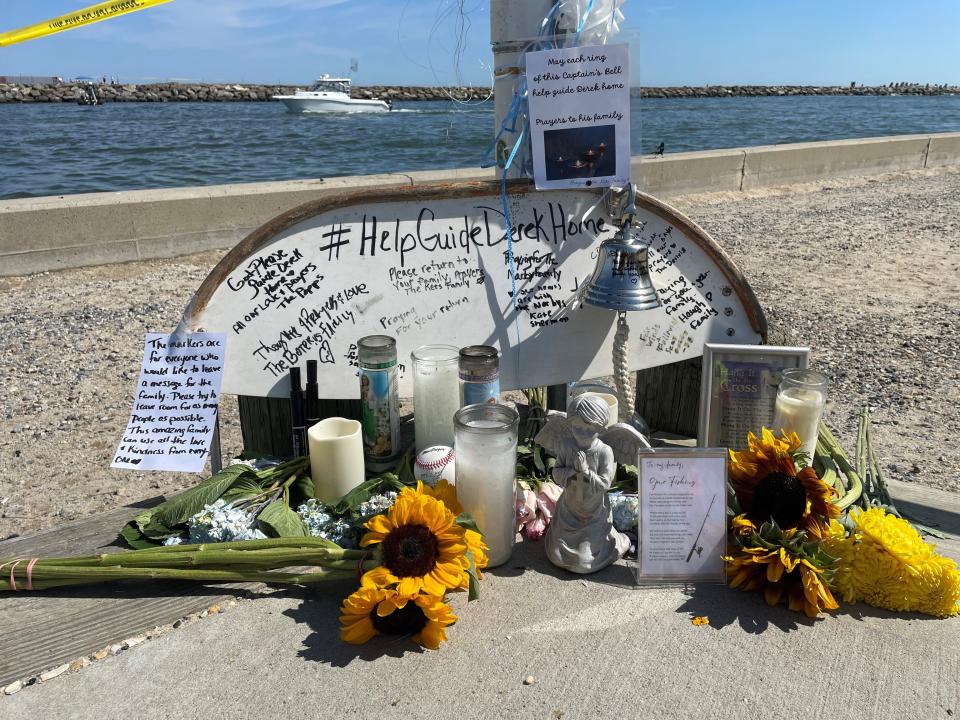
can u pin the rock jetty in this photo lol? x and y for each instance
(179, 92)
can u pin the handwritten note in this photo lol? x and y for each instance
(580, 116)
(175, 403)
(682, 515)
(437, 270)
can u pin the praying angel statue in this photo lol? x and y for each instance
(581, 536)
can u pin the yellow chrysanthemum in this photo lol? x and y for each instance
(422, 547)
(371, 611)
(768, 485)
(886, 563)
(783, 577)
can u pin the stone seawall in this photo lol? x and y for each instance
(179, 92)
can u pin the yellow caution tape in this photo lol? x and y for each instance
(86, 16)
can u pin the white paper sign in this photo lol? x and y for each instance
(175, 403)
(580, 116)
(683, 521)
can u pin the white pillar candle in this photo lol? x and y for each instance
(612, 403)
(800, 401)
(486, 450)
(336, 458)
(436, 394)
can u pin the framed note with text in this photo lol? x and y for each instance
(682, 524)
(738, 390)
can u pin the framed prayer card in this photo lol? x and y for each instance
(738, 391)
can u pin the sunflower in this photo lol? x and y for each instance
(373, 611)
(422, 548)
(445, 493)
(769, 486)
(476, 548)
(782, 565)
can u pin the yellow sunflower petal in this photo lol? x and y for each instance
(359, 632)
(379, 577)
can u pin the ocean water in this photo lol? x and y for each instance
(65, 149)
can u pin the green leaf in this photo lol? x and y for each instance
(363, 492)
(144, 518)
(538, 460)
(467, 522)
(473, 588)
(131, 536)
(242, 489)
(278, 520)
(181, 508)
(156, 530)
(301, 490)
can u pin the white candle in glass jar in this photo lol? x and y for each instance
(486, 451)
(612, 403)
(798, 410)
(436, 394)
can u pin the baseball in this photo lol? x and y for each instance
(433, 463)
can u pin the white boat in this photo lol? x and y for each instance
(328, 95)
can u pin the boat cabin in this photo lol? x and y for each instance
(331, 85)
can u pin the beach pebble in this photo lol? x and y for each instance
(116, 649)
(101, 654)
(133, 642)
(14, 687)
(55, 672)
(79, 664)
(529, 680)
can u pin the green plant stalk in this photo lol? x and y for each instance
(239, 561)
(835, 451)
(53, 576)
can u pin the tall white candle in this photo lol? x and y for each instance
(436, 394)
(798, 410)
(336, 458)
(486, 469)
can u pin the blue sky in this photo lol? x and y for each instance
(694, 42)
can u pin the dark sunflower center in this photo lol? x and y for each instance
(403, 621)
(780, 497)
(410, 550)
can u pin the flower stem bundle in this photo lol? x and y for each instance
(241, 561)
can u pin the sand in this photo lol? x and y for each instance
(863, 270)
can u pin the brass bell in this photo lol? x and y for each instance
(621, 280)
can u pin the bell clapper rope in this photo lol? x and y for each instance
(621, 373)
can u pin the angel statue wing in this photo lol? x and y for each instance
(552, 435)
(625, 442)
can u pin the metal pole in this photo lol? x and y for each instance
(513, 23)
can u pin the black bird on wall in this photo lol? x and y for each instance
(659, 150)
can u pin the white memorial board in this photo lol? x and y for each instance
(429, 265)
(580, 116)
(174, 404)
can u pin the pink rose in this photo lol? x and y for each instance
(535, 530)
(526, 507)
(547, 499)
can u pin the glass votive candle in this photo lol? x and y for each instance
(604, 392)
(486, 451)
(799, 406)
(436, 394)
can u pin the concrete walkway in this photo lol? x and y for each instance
(594, 647)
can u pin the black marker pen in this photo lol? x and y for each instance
(312, 404)
(296, 414)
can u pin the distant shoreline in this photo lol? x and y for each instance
(19, 93)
